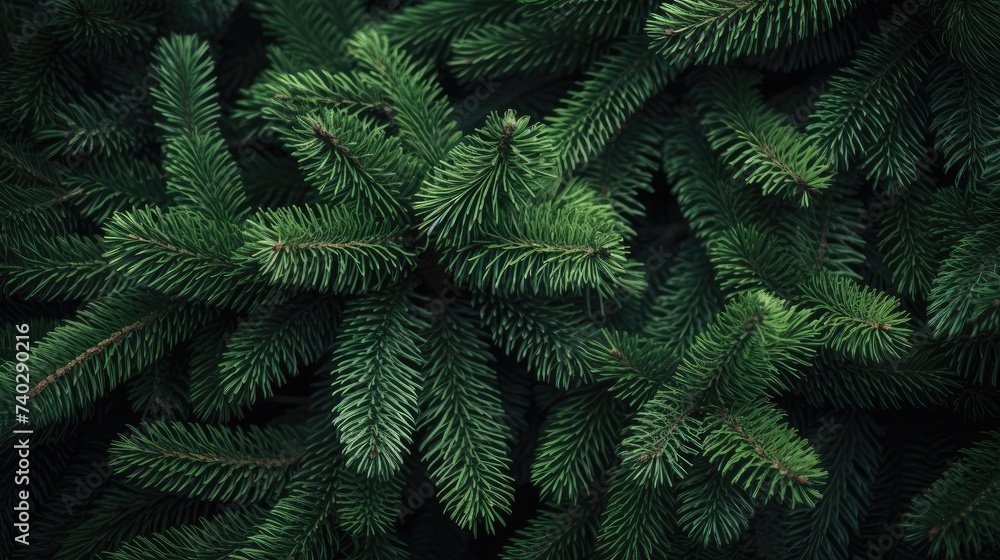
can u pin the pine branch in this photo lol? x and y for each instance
(207, 461)
(865, 97)
(111, 339)
(860, 322)
(70, 267)
(754, 448)
(327, 248)
(215, 538)
(424, 114)
(264, 352)
(376, 375)
(637, 520)
(549, 334)
(715, 31)
(711, 510)
(958, 514)
(549, 252)
(576, 443)
(615, 89)
(351, 160)
(199, 169)
(461, 414)
(635, 367)
(311, 33)
(758, 142)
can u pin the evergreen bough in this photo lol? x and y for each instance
(699, 279)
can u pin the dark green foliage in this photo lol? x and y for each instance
(206, 462)
(465, 441)
(528, 279)
(377, 377)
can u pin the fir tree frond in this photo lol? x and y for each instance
(976, 357)
(549, 334)
(603, 19)
(918, 379)
(281, 98)
(580, 196)
(711, 510)
(264, 351)
(311, 33)
(849, 450)
(864, 98)
(637, 519)
(958, 514)
(20, 166)
(748, 259)
(549, 253)
(827, 47)
(711, 198)
(560, 532)
(430, 28)
(202, 176)
(422, 111)
(658, 444)
(87, 127)
(577, 441)
(714, 31)
(636, 367)
(106, 28)
(755, 448)
(111, 339)
(215, 538)
(65, 267)
(206, 461)
(301, 525)
(186, 96)
(860, 322)
(502, 49)
(367, 506)
(969, 33)
(199, 168)
(117, 185)
(624, 168)
(177, 252)
(827, 235)
(895, 159)
(745, 350)
(966, 289)
(686, 301)
(963, 120)
(378, 547)
(484, 178)
(349, 160)
(617, 86)
(377, 373)
(758, 142)
(464, 440)
(131, 513)
(327, 248)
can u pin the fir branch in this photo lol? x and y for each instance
(207, 461)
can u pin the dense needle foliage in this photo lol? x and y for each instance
(528, 279)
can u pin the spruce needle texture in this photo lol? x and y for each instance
(516, 279)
